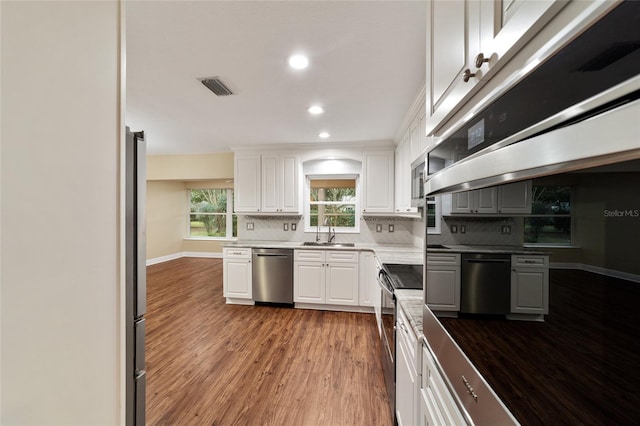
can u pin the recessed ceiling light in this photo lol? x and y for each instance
(324, 135)
(298, 62)
(315, 109)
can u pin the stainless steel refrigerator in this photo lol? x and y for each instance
(136, 277)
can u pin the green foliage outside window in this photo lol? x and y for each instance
(550, 219)
(209, 214)
(333, 202)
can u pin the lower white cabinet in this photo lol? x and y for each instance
(530, 284)
(436, 405)
(406, 372)
(236, 273)
(443, 281)
(326, 277)
(367, 281)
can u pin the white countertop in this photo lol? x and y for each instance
(387, 253)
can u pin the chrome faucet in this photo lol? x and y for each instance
(330, 236)
(318, 231)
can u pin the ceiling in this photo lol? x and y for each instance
(366, 67)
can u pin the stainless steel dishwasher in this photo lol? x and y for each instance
(485, 283)
(272, 276)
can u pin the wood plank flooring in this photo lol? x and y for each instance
(580, 367)
(209, 363)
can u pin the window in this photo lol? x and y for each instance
(550, 219)
(211, 214)
(433, 214)
(332, 201)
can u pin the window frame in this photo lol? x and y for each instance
(571, 216)
(434, 230)
(307, 205)
(229, 214)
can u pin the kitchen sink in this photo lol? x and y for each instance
(325, 244)
(436, 246)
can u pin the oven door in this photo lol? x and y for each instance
(388, 346)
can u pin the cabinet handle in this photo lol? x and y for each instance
(467, 75)
(480, 59)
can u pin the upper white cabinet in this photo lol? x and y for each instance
(266, 184)
(513, 198)
(280, 184)
(481, 201)
(403, 175)
(468, 40)
(378, 173)
(247, 184)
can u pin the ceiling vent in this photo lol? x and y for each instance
(216, 86)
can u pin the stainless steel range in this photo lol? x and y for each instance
(391, 278)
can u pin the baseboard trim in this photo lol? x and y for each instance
(175, 256)
(596, 270)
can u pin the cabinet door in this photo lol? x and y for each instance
(530, 290)
(486, 200)
(507, 25)
(378, 182)
(270, 183)
(367, 280)
(405, 387)
(402, 200)
(309, 278)
(443, 288)
(289, 184)
(462, 202)
(515, 197)
(342, 283)
(237, 279)
(247, 184)
(452, 33)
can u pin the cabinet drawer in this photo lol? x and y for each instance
(342, 256)
(529, 261)
(309, 255)
(237, 253)
(443, 258)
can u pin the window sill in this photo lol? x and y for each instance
(551, 246)
(210, 239)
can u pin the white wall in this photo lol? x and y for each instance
(60, 279)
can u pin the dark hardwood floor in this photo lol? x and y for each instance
(209, 363)
(580, 367)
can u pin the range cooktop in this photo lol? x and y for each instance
(405, 276)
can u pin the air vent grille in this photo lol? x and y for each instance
(216, 86)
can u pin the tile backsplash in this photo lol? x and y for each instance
(272, 228)
(481, 231)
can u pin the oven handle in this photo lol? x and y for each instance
(382, 282)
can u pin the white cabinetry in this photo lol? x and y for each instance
(443, 281)
(436, 404)
(515, 197)
(266, 184)
(503, 199)
(280, 184)
(325, 277)
(412, 145)
(236, 275)
(481, 201)
(406, 372)
(530, 285)
(461, 34)
(247, 184)
(367, 282)
(378, 182)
